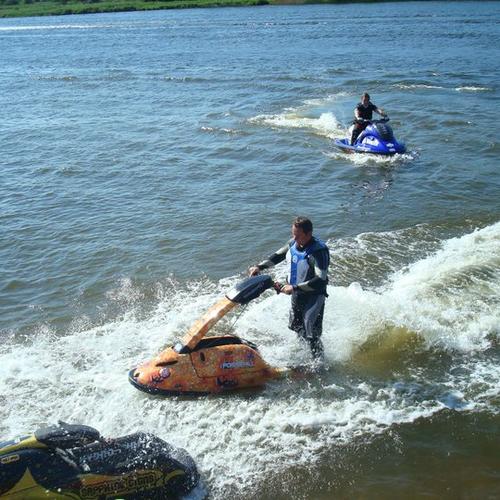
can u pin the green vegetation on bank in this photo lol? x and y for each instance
(25, 8)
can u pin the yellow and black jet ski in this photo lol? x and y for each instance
(74, 462)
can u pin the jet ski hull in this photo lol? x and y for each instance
(217, 365)
(74, 462)
(386, 150)
(377, 138)
(198, 365)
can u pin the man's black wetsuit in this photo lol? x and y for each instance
(308, 274)
(366, 114)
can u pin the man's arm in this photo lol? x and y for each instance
(274, 259)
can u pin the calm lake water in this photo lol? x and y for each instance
(149, 158)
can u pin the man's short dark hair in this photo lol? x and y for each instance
(367, 95)
(303, 223)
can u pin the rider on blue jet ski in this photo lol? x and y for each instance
(363, 111)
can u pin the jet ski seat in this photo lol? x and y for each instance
(67, 436)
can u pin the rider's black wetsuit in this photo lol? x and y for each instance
(367, 114)
(308, 274)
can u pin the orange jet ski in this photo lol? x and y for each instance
(198, 365)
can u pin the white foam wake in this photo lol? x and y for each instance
(325, 125)
(448, 299)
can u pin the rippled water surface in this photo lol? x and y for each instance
(150, 158)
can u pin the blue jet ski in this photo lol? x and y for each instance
(377, 138)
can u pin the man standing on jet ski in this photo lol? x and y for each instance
(308, 259)
(363, 111)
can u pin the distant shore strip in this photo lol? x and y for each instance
(28, 8)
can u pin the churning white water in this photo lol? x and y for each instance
(446, 301)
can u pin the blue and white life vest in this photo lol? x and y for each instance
(300, 269)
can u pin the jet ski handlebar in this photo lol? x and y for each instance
(251, 288)
(383, 119)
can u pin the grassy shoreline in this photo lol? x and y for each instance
(30, 8)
